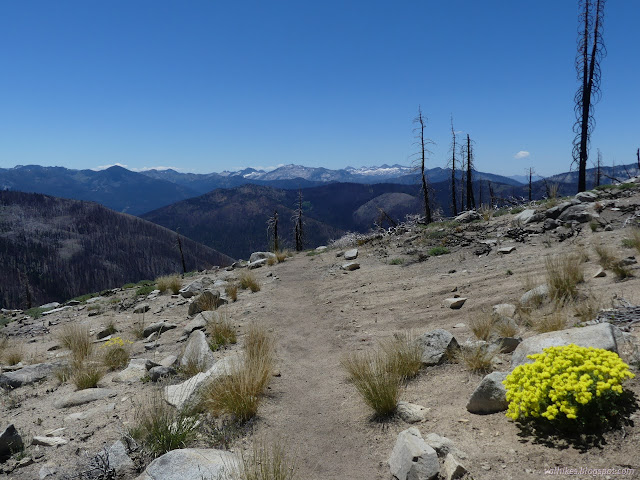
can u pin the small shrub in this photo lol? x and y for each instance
(516, 210)
(220, 332)
(232, 291)
(115, 353)
(375, 380)
(160, 428)
(436, 251)
(509, 272)
(594, 225)
(86, 373)
(76, 338)
(10, 354)
(486, 212)
(606, 258)
(248, 281)
(634, 240)
(282, 256)
(482, 326)
(477, 359)
(272, 261)
(169, 282)
(137, 329)
(404, 354)
(573, 387)
(563, 276)
(550, 323)
(396, 261)
(36, 312)
(145, 290)
(267, 462)
(621, 271)
(63, 373)
(110, 327)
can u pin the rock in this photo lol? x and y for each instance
(50, 305)
(26, 375)
(134, 372)
(351, 254)
(207, 300)
(47, 470)
(158, 327)
(195, 287)
(255, 256)
(525, 216)
(117, 458)
(436, 345)
(507, 344)
(182, 393)
(453, 469)
(600, 273)
(10, 442)
(601, 335)
(55, 310)
(576, 213)
(321, 248)
(141, 308)
(191, 464)
(586, 197)
(467, 217)
(350, 266)
(157, 373)
(541, 291)
(168, 361)
(506, 250)
(93, 300)
(554, 212)
(197, 351)
(490, 396)
(49, 441)
(92, 412)
(412, 458)
(504, 310)
(550, 224)
(257, 264)
(443, 445)
(105, 333)
(84, 396)
(411, 413)
(198, 323)
(454, 303)
(628, 261)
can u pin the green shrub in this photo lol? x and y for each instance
(436, 251)
(396, 261)
(145, 290)
(115, 353)
(573, 387)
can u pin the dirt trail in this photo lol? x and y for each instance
(307, 406)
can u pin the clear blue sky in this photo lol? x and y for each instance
(211, 85)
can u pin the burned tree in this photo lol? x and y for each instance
(422, 142)
(530, 182)
(298, 229)
(591, 50)
(272, 232)
(468, 159)
(184, 265)
(454, 205)
(598, 169)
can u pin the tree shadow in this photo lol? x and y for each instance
(584, 435)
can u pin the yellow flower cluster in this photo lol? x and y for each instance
(562, 380)
(115, 342)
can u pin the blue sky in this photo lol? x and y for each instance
(210, 85)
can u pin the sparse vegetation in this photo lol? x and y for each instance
(160, 428)
(634, 240)
(75, 337)
(482, 326)
(396, 261)
(10, 354)
(115, 353)
(587, 309)
(505, 327)
(231, 291)
(606, 257)
(220, 331)
(272, 261)
(436, 251)
(621, 271)
(145, 290)
(86, 373)
(404, 354)
(248, 281)
(477, 359)
(169, 282)
(239, 392)
(551, 322)
(563, 276)
(266, 462)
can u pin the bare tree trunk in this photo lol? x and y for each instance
(184, 265)
(638, 156)
(598, 168)
(425, 189)
(454, 204)
(530, 182)
(471, 202)
(299, 232)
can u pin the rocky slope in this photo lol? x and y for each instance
(320, 309)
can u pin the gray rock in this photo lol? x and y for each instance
(191, 464)
(601, 335)
(443, 445)
(157, 373)
(504, 310)
(118, 459)
(50, 305)
(47, 470)
(586, 197)
(453, 469)
(26, 375)
(412, 458)
(600, 273)
(541, 291)
(93, 300)
(454, 303)
(506, 250)
(554, 212)
(255, 256)
(92, 412)
(467, 217)
(195, 287)
(490, 396)
(351, 254)
(84, 396)
(550, 224)
(576, 213)
(411, 413)
(525, 216)
(134, 372)
(350, 266)
(257, 264)
(436, 345)
(207, 300)
(55, 310)
(321, 248)
(507, 344)
(198, 323)
(159, 327)
(10, 442)
(168, 361)
(49, 441)
(141, 308)
(197, 351)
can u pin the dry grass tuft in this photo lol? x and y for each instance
(606, 257)
(550, 323)
(477, 359)
(76, 338)
(220, 331)
(621, 271)
(169, 282)
(272, 261)
(404, 354)
(266, 462)
(281, 256)
(634, 240)
(377, 382)
(248, 281)
(587, 309)
(86, 373)
(482, 326)
(239, 392)
(232, 291)
(505, 327)
(10, 354)
(563, 276)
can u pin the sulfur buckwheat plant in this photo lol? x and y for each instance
(569, 386)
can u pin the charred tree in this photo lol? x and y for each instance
(591, 50)
(299, 224)
(454, 203)
(471, 202)
(530, 182)
(598, 169)
(184, 265)
(638, 157)
(422, 142)
(272, 230)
